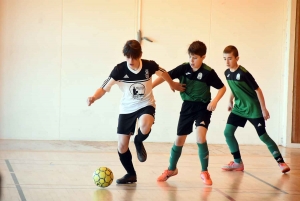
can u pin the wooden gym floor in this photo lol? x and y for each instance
(62, 171)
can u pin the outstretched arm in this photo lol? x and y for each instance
(174, 85)
(98, 94)
(157, 81)
(213, 104)
(261, 99)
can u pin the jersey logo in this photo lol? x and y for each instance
(126, 76)
(238, 76)
(188, 73)
(206, 157)
(258, 125)
(137, 90)
(199, 76)
(228, 75)
(202, 123)
(147, 73)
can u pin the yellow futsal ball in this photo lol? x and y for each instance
(103, 177)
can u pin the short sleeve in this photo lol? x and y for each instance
(214, 80)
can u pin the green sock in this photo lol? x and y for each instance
(232, 143)
(271, 145)
(203, 155)
(174, 157)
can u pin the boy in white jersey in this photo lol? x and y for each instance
(134, 78)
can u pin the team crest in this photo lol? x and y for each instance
(137, 90)
(147, 73)
(199, 76)
(238, 76)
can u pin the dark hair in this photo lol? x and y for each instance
(132, 49)
(198, 48)
(231, 49)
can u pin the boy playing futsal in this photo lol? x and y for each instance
(249, 105)
(197, 107)
(134, 78)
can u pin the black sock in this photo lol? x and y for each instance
(140, 137)
(126, 160)
(279, 159)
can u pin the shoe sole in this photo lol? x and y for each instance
(232, 169)
(167, 177)
(286, 170)
(143, 155)
(128, 182)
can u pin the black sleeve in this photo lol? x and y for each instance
(251, 81)
(153, 67)
(115, 73)
(176, 72)
(214, 80)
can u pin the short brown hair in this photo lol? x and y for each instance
(198, 48)
(132, 49)
(231, 49)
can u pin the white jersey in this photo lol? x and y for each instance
(135, 85)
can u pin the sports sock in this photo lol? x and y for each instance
(126, 160)
(140, 137)
(203, 155)
(273, 148)
(232, 142)
(174, 157)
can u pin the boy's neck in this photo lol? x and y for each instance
(232, 69)
(195, 69)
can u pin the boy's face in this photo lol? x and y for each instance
(196, 60)
(133, 63)
(230, 60)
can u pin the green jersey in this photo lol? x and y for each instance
(243, 86)
(197, 83)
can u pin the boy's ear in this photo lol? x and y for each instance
(203, 56)
(237, 58)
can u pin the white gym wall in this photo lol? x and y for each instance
(56, 53)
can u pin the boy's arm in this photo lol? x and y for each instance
(213, 104)
(98, 94)
(261, 99)
(230, 104)
(174, 85)
(157, 81)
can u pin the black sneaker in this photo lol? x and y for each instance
(126, 179)
(141, 151)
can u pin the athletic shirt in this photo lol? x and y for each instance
(135, 85)
(197, 83)
(243, 86)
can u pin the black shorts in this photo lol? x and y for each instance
(238, 121)
(126, 122)
(192, 112)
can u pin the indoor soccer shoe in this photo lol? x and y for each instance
(126, 179)
(206, 178)
(232, 166)
(167, 174)
(284, 167)
(141, 151)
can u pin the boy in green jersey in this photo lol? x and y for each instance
(197, 107)
(249, 105)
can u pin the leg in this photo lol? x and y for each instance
(202, 147)
(259, 125)
(126, 160)
(203, 153)
(145, 122)
(174, 157)
(232, 123)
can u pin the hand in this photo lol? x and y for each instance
(177, 86)
(266, 114)
(230, 106)
(212, 106)
(90, 100)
